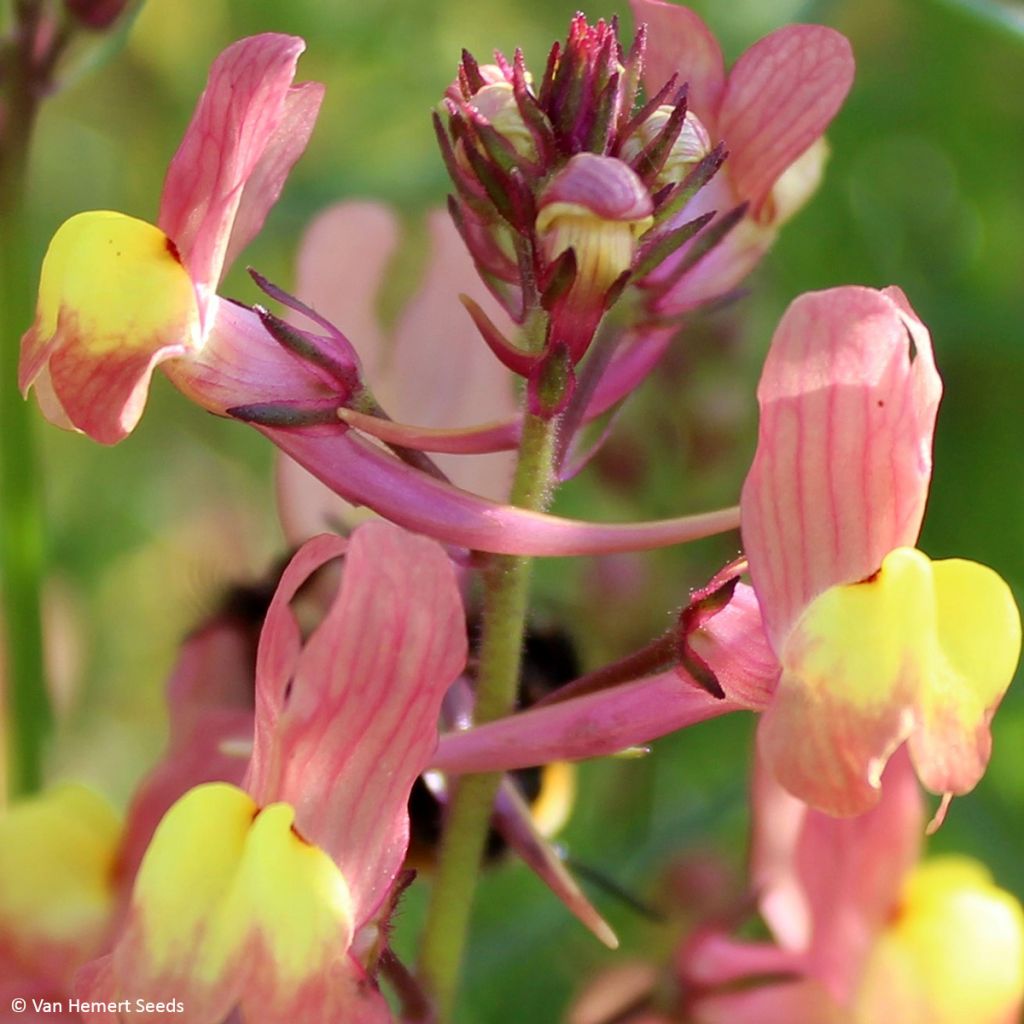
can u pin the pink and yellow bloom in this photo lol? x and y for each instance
(770, 110)
(272, 896)
(865, 932)
(878, 645)
(118, 296)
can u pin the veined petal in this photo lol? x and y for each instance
(917, 649)
(341, 263)
(848, 398)
(954, 952)
(57, 891)
(356, 721)
(249, 127)
(114, 301)
(232, 904)
(678, 41)
(781, 95)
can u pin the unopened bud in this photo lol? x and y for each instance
(598, 207)
(690, 147)
(497, 103)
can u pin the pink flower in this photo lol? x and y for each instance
(272, 896)
(770, 110)
(878, 645)
(118, 297)
(864, 931)
(67, 863)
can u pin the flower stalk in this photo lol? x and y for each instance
(21, 521)
(506, 581)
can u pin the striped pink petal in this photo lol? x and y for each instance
(678, 42)
(343, 735)
(848, 399)
(250, 126)
(780, 97)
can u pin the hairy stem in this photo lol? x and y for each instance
(506, 591)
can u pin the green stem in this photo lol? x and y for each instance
(506, 591)
(21, 531)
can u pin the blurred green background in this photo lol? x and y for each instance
(925, 189)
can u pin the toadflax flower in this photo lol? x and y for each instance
(865, 932)
(770, 111)
(878, 644)
(851, 642)
(272, 897)
(118, 296)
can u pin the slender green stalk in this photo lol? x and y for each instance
(506, 592)
(21, 532)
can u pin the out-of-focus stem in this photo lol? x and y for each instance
(506, 591)
(21, 530)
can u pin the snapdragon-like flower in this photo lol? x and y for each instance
(878, 644)
(118, 296)
(770, 111)
(864, 931)
(67, 862)
(272, 896)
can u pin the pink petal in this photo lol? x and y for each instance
(442, 374)
(736, 649)
(241, 364)
(102, 397)
(341, 264)
(249, 127)
(780, 97)
(342, 994)
(343, 737)
(298, 118)
(714, 959)
(210, 698)
(828, 885)
(848, 397)
(678, 41)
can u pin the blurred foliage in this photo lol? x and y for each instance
(924, 189)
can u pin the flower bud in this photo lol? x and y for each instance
(690, 147)
(598, 207)
(497, 103)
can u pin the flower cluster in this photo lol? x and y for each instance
(260, 864)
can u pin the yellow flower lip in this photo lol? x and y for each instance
(921, 651)
(954, 952)
(114, 301)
